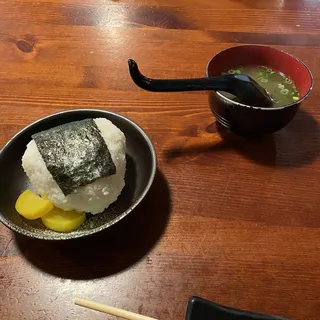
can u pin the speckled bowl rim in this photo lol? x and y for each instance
(221, 96)
(67, 236)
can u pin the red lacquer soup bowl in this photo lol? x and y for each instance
(254, 121)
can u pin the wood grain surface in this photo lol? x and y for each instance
(230, 220)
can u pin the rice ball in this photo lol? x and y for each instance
(93, 197)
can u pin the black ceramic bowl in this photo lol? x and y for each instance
(254, 121)
(141, 168)
(201, 309)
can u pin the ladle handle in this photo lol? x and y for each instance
(222, 83)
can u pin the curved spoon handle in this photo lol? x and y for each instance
(213, 83)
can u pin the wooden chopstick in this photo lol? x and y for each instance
(110, 310)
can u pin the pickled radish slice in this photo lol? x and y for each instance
(31, 206)
(63, 221)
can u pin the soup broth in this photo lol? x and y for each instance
(280, 87)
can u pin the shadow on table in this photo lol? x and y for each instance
(296, 145)
(110, 251)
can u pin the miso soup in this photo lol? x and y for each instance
(280, 87)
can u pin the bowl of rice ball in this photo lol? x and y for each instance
(74, 173)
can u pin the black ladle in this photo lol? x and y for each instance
(247, 90)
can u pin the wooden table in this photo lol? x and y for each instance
(234, 221)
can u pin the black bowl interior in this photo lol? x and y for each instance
(141, 167)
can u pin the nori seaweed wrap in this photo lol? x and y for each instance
(75, 154)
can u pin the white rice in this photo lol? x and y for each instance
(94, 197)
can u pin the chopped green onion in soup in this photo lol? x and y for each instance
(281, 88)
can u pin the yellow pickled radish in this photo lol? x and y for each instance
(63, 221)
(31, 206)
